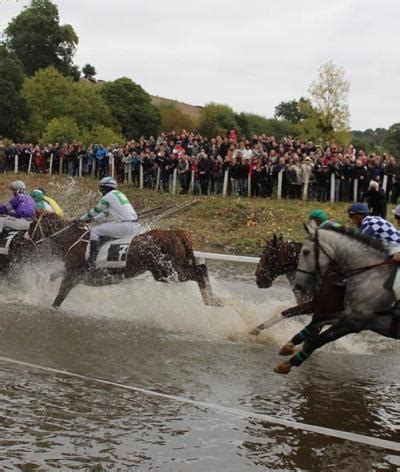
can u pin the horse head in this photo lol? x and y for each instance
(315, 259)
(279, 257)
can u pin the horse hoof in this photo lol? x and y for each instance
(287, 350)
(255, 332)
(216, 302)
(283, 368)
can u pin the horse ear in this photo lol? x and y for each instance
(307, 229)
(275, 240)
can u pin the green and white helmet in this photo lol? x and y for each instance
(108, 182)
(37, 194)
(18, 186)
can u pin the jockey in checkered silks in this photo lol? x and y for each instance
(117, 217)
(381, 229)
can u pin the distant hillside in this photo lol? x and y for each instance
(190, 110)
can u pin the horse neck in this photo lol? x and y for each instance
(350, 253)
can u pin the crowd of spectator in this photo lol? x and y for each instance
(201, 164)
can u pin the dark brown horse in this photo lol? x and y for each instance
(281, 257)
(167, 254)
(26, 246)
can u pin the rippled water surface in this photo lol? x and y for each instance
(160, 337)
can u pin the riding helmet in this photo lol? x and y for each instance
(18, 186)
(108, 183)
(318, 214)
(358, 209)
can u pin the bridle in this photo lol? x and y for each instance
(333, 274)
(44, 238)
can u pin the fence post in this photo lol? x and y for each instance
(355, 190)
(249, 185)
(51, 164)
(130, 173)
(30, 163)
(16, 163)
(174, 178)
(191, 191)
(305, 188)
(332, 199)
(112, 165)
(225, 184)
(158, 179)
(80, 167)
(385, 180)
(60, 167)
(141, 176)
(94, 167)
(280, 178)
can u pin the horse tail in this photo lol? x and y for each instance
(188, 245)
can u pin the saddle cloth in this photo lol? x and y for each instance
(112, 254)
(6, 238)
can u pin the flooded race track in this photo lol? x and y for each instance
(160, 337)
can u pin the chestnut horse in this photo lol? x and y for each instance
(167, 254)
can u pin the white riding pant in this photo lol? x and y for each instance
(10, 222)
(122, 230)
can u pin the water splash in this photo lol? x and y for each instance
(178, 308)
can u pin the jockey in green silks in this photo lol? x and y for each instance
(321, 219)
(40, 202)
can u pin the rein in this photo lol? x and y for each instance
(57, 233)
(338, 274)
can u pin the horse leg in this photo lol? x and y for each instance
(336, 331)
(200, 275)
(55, 275)
(307, 332)
(301, 309)
(67, 284)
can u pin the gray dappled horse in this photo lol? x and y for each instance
(366, 266)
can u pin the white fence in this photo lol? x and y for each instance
(173, 180)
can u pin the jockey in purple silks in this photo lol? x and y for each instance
(20, 210)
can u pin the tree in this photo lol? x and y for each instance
(293, 111)
(392, 140)
(61, 130)
(251, 123)
(217, 120)
(172, 119)
(102, 134)
(131, 107)
(329, 94)
(51, 95)
(13, 109)
(38, 39)
(89, 72)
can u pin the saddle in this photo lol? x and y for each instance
(6, 238)
(112, 253)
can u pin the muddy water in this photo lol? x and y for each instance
(160, 337)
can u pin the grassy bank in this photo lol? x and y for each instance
(217, 224)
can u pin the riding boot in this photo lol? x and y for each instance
(94, 249)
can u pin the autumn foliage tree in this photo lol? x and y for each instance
(329, 94)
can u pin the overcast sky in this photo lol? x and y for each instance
(249, 54)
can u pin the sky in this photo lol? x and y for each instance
(250, 54)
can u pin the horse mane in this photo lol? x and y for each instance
(361, 238)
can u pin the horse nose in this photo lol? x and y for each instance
(298, 287)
